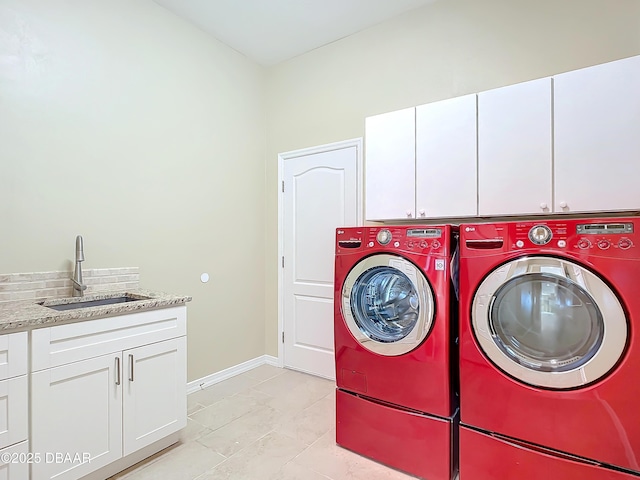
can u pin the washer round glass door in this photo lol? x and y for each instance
(549, 322)
(387, 304)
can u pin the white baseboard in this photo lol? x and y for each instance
(271, 360)
(227, 373)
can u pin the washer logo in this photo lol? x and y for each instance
(470, 229)
(439, 264)
(340, 232)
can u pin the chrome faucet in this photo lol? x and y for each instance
(78, 286)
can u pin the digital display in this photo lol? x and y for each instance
(595, 228)
(425, 232)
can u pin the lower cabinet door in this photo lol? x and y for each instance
(76, 417)
(155, 396)
(14, 411)
(14, 462)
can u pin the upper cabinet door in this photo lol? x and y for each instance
(390, 165)
(446, 161)
(515, 149)
(597, 137)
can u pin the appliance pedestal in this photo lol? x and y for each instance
(485, 457)
(415, 443)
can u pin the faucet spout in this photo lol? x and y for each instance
(78, 286)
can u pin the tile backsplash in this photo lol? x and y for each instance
(47, 285)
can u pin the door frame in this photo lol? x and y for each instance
(291, 156)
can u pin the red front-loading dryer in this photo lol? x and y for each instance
(549, 351)
(395, 347)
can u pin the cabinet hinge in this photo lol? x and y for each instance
(282, 262)
(283, 186)
(283, 336)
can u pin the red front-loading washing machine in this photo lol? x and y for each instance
(549, 351)
(395, 347)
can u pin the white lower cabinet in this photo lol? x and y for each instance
(14, 410)
(14, 407)
(155, 397)
(14, 462)
(76, 409)
(94, 411)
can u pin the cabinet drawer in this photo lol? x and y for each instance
(62, 344)
(14, 405)
(13, 355)
(16, 468)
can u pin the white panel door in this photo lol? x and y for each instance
(390, 165)
(515, 149)
(446, 158)
(597, 137)
(155, 392)
(14, 410)
(77, 409)
(14, 470)
(320, 195)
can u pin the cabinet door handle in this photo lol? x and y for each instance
(117, 370)
(130, 368)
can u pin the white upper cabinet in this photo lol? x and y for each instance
(597, 137)
(421, 162)
(446, 165)
(390, 165)
(565, 144)
(515, 149)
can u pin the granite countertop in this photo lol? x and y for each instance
(28, 314)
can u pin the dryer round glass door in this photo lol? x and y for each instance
(387, 304)
(549, 322)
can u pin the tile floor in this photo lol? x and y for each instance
(265, 424)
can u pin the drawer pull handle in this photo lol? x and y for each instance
(117, 370)
(130, 368)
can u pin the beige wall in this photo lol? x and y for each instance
(120, 122)
(446, 49)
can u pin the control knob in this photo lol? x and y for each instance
(384, 236)
(435, 244)
(540, 234)
(583, 243)
(625, 244)
(604, 244)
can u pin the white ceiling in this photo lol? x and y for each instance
(271, 31)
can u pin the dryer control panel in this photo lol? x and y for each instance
(616, 237)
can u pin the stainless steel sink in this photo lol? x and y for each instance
(95, 303)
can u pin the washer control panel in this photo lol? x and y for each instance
(605, 235)
(530, 234)
(410, 239)
(611, 237)
(587, 237)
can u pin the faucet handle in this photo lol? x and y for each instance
(81, 287)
